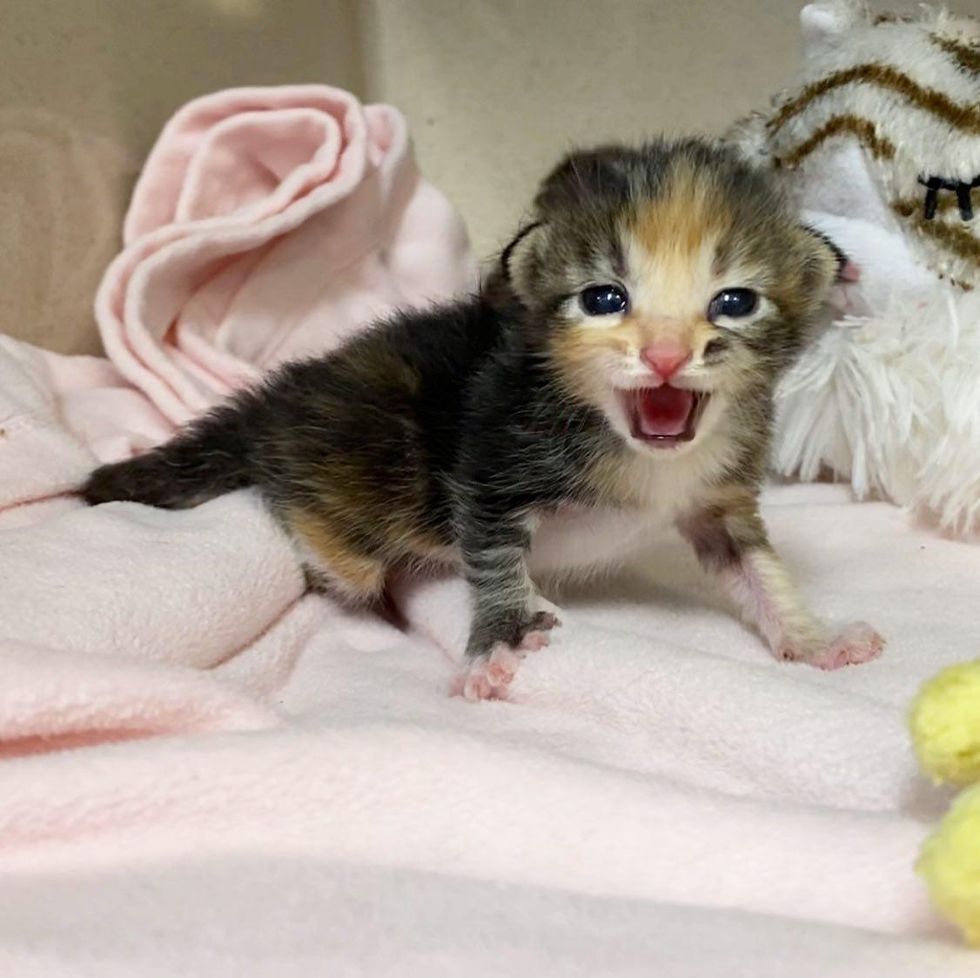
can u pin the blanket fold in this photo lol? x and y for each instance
(212, 757)
(269, 223)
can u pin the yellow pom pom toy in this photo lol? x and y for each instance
(945, 726)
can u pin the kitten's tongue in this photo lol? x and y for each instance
(663, 411)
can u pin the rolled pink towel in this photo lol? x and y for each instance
(270, 223)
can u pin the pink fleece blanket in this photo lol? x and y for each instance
(205, 772)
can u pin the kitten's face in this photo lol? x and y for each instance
(667, 283)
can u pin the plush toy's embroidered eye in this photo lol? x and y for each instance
(961, 188)
(733, 304)
(604, 300)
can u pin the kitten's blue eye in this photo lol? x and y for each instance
(733, 303)
(604, 300)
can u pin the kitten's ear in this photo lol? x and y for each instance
(825, 263)
(581, 176)
(521, 259)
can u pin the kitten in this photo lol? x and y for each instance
(614, 372)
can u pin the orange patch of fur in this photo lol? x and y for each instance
(576, 348)
(679, 230)
(575, 351)
(360, 575)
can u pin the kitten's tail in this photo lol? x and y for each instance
(208, 459)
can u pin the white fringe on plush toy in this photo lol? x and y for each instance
(892, 403)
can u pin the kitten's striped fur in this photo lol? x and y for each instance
(493, 433)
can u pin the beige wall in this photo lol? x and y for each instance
(495, 90)
(84, 87)
(498, 89)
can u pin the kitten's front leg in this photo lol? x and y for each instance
(730, 539)
(507, 623)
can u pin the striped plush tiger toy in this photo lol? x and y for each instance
(878, 141)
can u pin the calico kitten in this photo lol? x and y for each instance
(614, 373)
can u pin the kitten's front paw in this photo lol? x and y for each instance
(488, 677)
(857, 643)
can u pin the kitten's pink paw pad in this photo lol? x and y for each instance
(858, 643)
(489, 677)
(534, 641)
(473, 683)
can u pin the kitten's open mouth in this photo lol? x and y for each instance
(664, 416)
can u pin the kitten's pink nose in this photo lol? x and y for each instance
(665, 359)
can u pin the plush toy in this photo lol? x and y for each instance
(946, 733)
(878, 141)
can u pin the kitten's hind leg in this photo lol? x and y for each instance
(332, 564)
